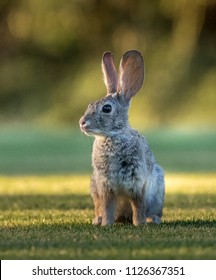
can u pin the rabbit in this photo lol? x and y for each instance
(127, 184)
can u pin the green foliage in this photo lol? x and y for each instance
(50, 55)
(50, 218)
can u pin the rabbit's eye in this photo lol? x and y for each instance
(107, 108)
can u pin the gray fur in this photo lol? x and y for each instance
(127, 184)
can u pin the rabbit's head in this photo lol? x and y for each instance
(109, 115)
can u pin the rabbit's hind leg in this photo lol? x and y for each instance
(154, 197)
(154, 211)
(154, 219)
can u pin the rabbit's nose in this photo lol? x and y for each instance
(82, 121)
(83, 124)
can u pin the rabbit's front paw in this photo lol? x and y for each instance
(139, 222)
(97, 221)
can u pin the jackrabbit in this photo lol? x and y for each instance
(127, 184)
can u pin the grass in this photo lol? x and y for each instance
(31, 151)
(50, 218)
(46, 209)
(27, 150)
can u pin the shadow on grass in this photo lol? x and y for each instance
(76, 202)
(84, 241)
(198, 223)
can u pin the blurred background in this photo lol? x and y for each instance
(50, 53)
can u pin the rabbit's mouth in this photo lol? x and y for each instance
(91, 132)
(84, 124)
(88, 131)
(85, 127)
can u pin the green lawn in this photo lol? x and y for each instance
(46, 209)
(50, 218)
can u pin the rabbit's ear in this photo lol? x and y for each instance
(109, 72)
(131, 74)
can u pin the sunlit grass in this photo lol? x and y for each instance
(184, 183)
(49, 217)
(30, 185)
(79, 184)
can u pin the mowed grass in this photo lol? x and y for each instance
(46, 209)
(49, 217)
